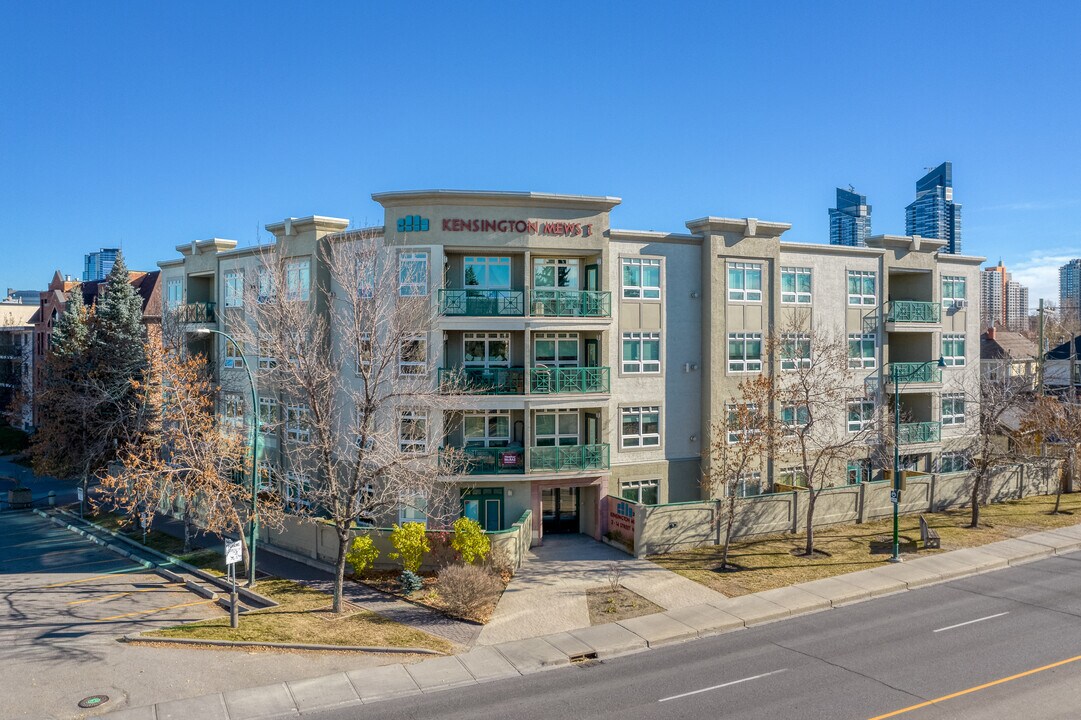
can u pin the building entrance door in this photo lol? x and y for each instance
(559, 510)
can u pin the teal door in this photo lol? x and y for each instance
(492, 514)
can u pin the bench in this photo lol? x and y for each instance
(929, 535)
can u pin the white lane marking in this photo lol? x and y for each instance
(722, 685)
(989, 617)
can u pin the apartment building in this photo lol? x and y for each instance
(604, 358)
(16, 361)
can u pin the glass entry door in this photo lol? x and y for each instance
(559, 510)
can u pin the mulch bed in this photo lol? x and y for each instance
(606, 606)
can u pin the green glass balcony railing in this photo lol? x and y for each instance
(913, 311)
(910, 372)
(198, 312)
(543, 380)
(555, 302)
(485, 381)
(481, 303)
(484, 460)
(569, 458)
(921, 432)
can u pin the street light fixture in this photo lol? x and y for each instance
(896, 378)
(253, 526)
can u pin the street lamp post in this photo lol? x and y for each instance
(896, 378)
(253, 525)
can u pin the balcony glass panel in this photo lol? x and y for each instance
(198, 312)
(569, 380)
(485, 381)
(481, 303)
(567, 458)
(489, 461)
(909, 372)
(555, 302)
(913, 311)
(921, 432)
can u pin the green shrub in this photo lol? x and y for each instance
(410, 582)
(469, 540)
(410, 542)
(362, 554)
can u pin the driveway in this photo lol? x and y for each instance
(548, 594)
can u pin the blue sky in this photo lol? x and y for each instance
(153, 124)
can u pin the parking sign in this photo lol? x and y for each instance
(233, 552)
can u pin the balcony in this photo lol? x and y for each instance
(481, 303)
(489, 461)
(198, 312)
(483, 381)
(913, 311)
(569, 458)
(921, 432)
(570, 303)
(11, 350)
(910, 372)
(545, 381)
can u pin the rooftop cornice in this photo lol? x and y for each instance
(292, 225)
(964, 259)
(654, 235)
(218, 244)
(398, 198)
(830, 249)
(915, 243)
(750, 227)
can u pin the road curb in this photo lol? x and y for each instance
(136, 639)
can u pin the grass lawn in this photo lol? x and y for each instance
(303, 616)
(767, 561)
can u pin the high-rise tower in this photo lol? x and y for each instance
(850, 221)
(934, 214)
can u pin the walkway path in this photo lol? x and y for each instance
(548, 594)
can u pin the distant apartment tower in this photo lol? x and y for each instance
(1069, 289)
(96, 265)
(934, 214)
(1004, 301)
(850, 221)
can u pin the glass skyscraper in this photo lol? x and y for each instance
(1069, 289)
(850, 221)
(934, 214)
(96, 265)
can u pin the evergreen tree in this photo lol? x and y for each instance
(117, 337)
(71, 333)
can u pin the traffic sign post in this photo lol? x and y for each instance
(234, 552)
(79, 492)
(895, 496)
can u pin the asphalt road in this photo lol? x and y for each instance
(877, 659)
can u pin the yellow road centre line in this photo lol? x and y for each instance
(160, 609)
(977, 688)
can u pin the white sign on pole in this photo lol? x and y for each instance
(895, 496)
(233, 552)
(79, 491)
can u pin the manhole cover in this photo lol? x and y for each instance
(93, 701)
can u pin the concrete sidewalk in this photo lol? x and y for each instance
(521, 657)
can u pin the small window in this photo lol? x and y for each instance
(745, 282)
(486, 428)
(862, 351)
(493, 349)
(413, 274)
(796, 285)
(744, 352)
(953, 349)
(951, 462)
(641, 278)
(795, 351)
(953, 291)
(643, 492)
(234, 288)
(640, 427)
(642, 352)
(174, 294)
(269, 416)
(297, 428)
(232, 411)
(741, 421)
(861, 414)
(859, 471)
(792, 476)
(794, 418)
(267, 360)
(488, 273)
(748, 485)
(364, 352)
(557, 427)
(953, 409)
(861, 287)
(412, 509)
(413, 355)
(298, 491)
(234, 356)
(298, 279)
(265, 292)
(413, 431)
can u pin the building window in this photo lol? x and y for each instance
(555, 273)
(745, 282)
(739, 426)
(232, 411)
(174, 294)
(266, 357)
(951, 462)
(489, 273)
(861, 351)
(298, 279)
(641, 352)
(234, 288)
(297, 428)
(412, 509)
(364, 351)
(953, 409)
(559, 427)
(861, 413)
(641, 278)
(748, 485)
(795, 351)
(490, 349)
(641, 426)
(489, 428)
(412, 274)
(796, 285)
(953, 291)
(265, 291)
(794, 418)
(413, 355)
(792, 477)
(298, 491)
(859, 471)
(643, 492)
(861, 287)
(953, 349)
(269, 416)
(413, 431)
(234, 355)
(744, 352)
